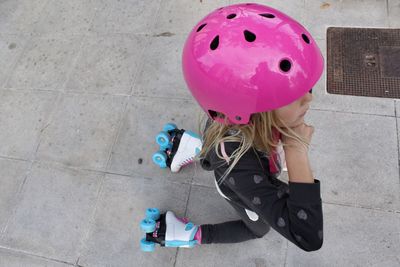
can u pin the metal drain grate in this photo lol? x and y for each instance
(363, 62)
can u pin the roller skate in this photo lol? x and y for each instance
(168, 231)
(177, 147)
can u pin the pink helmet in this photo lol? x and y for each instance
(249, 58)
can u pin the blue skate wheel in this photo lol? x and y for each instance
(152, 213)
(160, 158)
(148, 225)
(169, 127)
(163, 139)
(147, 246)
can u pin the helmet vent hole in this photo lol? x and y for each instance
(231, 16)
(249, 36)
(201, 27)
(238, 118)
(305, 38)
(215, 42)
(285, 65)
(267, 15)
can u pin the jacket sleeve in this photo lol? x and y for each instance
(293, 210)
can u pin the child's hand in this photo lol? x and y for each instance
(303, 130)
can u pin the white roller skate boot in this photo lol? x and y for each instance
(189, 147)
(177, 147)
(168, 231)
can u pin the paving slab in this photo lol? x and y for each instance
(23, 116)
(397, 105)
(82, 130)
(202, 177)
(143, 120)
(19, 16)
(206, 206)
(115, 234)
(53, 212)
(65, 17)
(125, 16)
(161, 74)
(355, 156)
(172, 18)
(12, 176)
(321, 14)
(11, 47)
(107, 64)
(9, 258)
(394, 11)
(45, 63)
(353, 237)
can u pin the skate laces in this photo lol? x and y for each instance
(187, 161)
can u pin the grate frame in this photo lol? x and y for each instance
(363, 62)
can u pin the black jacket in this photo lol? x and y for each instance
(294, 210)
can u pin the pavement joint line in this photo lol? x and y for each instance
(132, 93)
(131, 176)
(117, 132)
(102, 35)
(29, 90)
(387, 11)
(59, 98)
(88, 93)
(12, 158)
(35, 255)
(185, 215)
(398, 143)
(176, 257)
(152, 28)
(360, 206)
(17, 199)
(203, 186)
(69, 92)
(286, 253)
(91, 221)
(57, 36)
(94, 34)
(352, 112)
(102, 172)
(160, 97)
(74, 62)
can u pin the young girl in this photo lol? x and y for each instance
(251, 68)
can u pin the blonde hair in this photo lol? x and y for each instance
(257, 134)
